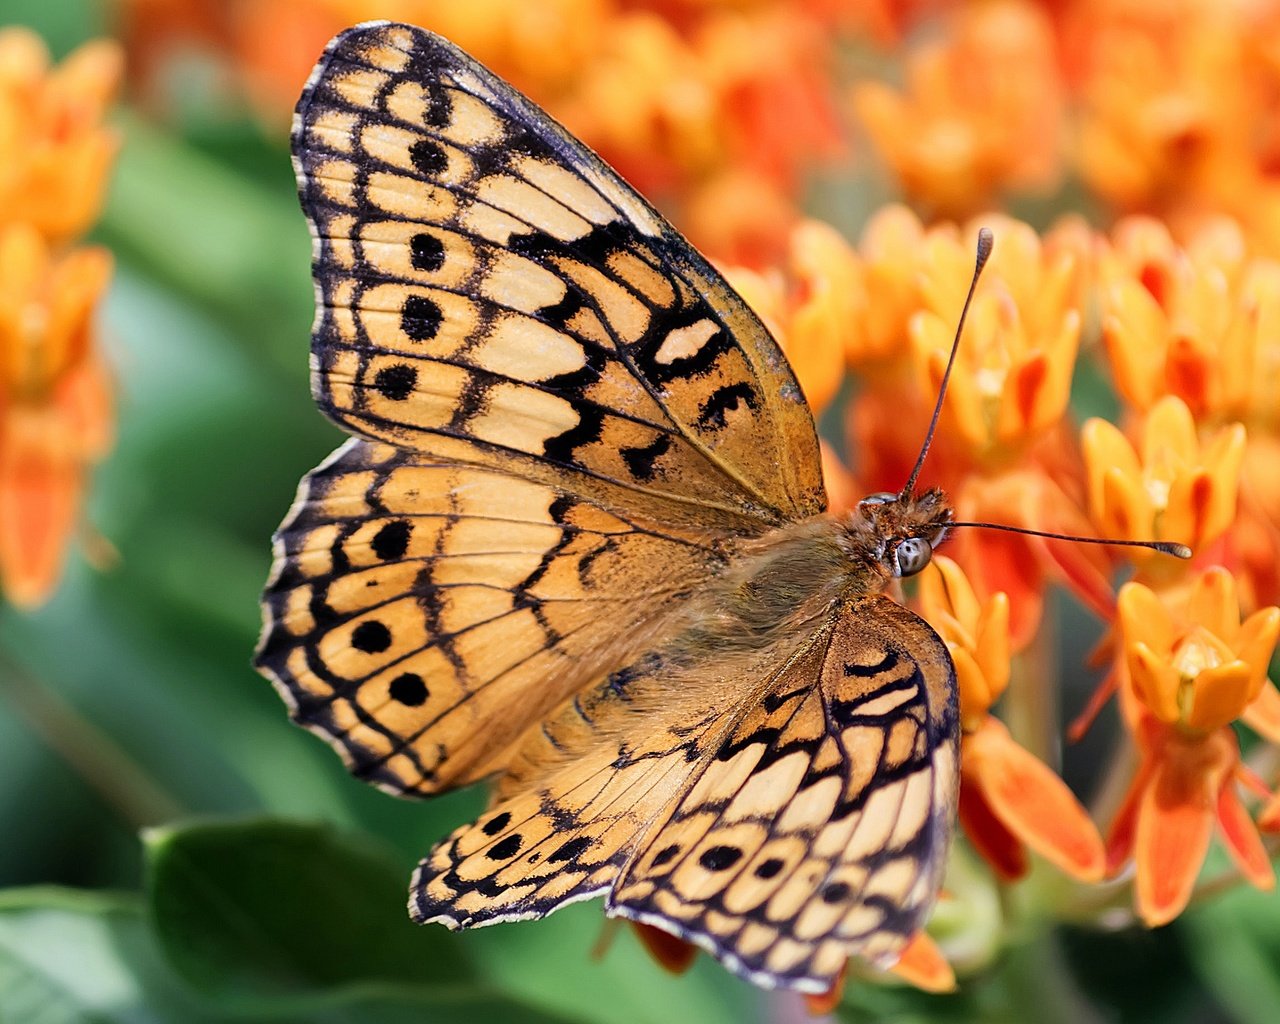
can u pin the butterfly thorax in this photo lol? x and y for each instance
(793, 577)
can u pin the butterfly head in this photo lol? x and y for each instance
(898, 531)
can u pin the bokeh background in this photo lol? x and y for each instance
(172, 848)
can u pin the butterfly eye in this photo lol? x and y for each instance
(879, 498)
(912, 555)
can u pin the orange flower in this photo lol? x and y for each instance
(1192, 674)
(1177, 489)
(809, 310)
(969, 125)
(55, 405)
(56, 152)
(1159, 102)
(1009, 800)
(1195, 322)
(725, 118)
(1012, 377)
(921, 964)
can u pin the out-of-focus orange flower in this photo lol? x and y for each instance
(1202, 322)
(723, 119)
(981, 113)
(1009, 800)
(56, 152)
(890, 249)
(921, 964)
(1012, 377)
(717, 114)
(669, 951)
(55, 404)
(808, 304)
(1254, 540)
(1175, 488)
(1193, 671)
(1162, 104)
(1197, 322)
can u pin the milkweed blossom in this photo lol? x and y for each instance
(55, 391)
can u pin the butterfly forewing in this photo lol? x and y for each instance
(490, 292)
(422, 613)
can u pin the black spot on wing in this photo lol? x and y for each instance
(426, 252)
(587, 430)
(420, 318)
(396, 382)
(392, 540)
(428, 157)
(371, 637)
(408, 689)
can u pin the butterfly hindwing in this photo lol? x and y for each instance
(490, 292)
(422, 614)
(818, 828)
(783, 836)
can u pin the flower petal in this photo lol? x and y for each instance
(41, 481)
(1034, 803)
(923, 964)
(1240, 836)
(1175, 821)
(1263, 715)
(1155, 682)
(998, 846)
(671, 953)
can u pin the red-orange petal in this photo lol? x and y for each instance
(823, 1003)
(1240, 836)
(672, 953)
(1174, 823)
(1034, 803)
(923, 964)
(998, 846)
(41, 480)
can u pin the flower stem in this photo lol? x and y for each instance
(93, 755)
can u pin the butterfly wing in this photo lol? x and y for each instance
(806, 827)
(422, 613)
(490, 292)
(819, 826)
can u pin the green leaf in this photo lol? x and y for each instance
(73, 957)
(1234, 941)
(269, 907)
(68, 957)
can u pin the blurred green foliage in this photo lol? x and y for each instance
(175, 850)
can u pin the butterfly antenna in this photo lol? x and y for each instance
(1163, 546)
(985, 242)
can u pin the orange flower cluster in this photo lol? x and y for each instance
(1191, 348)
(716, 110)
(1163, 108)
(55, 395)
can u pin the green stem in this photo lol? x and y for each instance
(93, 755)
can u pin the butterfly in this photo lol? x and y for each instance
(579, 545)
